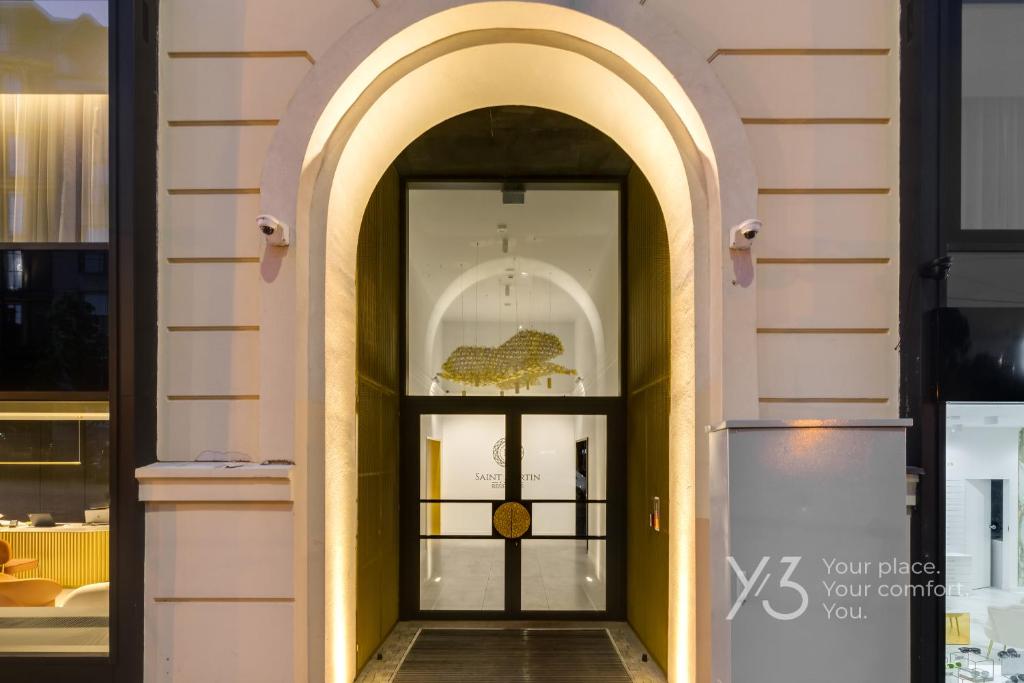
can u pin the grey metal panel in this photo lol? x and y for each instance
(818, 495)
(812, 424)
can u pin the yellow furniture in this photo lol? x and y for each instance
(28, 592)
(12, 565)
(433, 486)
(70, 554)
(958, 628)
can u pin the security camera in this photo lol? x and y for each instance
(277, 233)
(743, 234)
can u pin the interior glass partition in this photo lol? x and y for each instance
(55, 460)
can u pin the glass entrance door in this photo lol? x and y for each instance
(514, 516)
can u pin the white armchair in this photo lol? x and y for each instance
(94, 597)
(1005, 626)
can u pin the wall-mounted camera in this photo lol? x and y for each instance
(743, 235)
(276, 232)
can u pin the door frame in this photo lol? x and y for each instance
(414, 407)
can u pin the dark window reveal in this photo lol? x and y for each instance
(53, 327)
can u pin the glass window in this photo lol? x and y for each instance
(992, 120)
(513, 290)
(461, 566)
(55, 461)
(984, 554)
(986, 280)
(54, 116)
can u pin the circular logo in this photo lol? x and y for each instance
(498, 452)
(512, 519)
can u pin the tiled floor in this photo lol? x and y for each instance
(559, 575)
(396, 646)
(977, 603)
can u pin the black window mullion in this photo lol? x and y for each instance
(513, 492)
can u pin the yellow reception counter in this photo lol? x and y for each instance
(71, 554)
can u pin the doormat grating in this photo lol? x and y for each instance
(531, 654)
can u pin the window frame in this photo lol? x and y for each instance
(132, 277)
(577, 182)
(955, 237)
(930, 185)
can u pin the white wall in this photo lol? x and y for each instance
(983, 453)
(468, 468)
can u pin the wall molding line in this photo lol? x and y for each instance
(817, 121)
(213, 328)
(241, 54)
(213, 259)
(213, 397)
(880, 261)
(799, 52)
(827, 399)
(225, 123)
(823, 330)
(823, 190)
(213, 190)
(222, 600)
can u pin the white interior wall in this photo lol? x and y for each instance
(469, 471)
(974, 454)
(563, 255)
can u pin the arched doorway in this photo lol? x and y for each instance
(354, 115)
(498, 224)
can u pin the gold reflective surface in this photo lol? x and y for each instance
(512, 520)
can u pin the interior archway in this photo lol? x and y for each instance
(353, 119)
(542, 270)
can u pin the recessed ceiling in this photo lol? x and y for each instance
(513, 142)
(451, 231)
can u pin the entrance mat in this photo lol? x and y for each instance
(531, 654)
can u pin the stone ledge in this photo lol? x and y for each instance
(214, 482)
(879, 423)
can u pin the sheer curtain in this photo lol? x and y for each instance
(992, 151)
(53, 168)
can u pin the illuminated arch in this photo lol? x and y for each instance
(411, 65)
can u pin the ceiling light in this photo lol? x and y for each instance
(522, 359)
